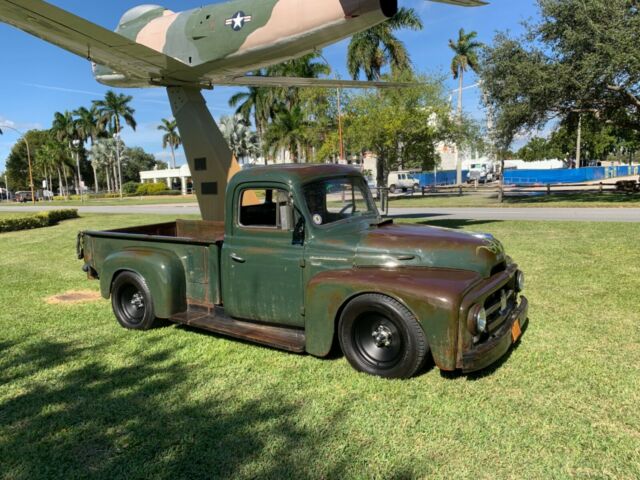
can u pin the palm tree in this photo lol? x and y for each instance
(288, 131)
(465, 58)
(306, 66)
(371, 50)
(241, 140)
(256, 101)
(102, 155)
(171, 138)
(65, 130)
(89, 127)
(113, 109)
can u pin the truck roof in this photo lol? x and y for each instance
(292, 173)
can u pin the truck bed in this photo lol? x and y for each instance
(198, 231)
(195, 244)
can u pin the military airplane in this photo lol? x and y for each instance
(212, 45)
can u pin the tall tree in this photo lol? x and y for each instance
(241, 140)
(115, 108)
(579, 59)
(256, 102)
(89, 127)
(65, 131)
(465, 57)
(289, 130)
(371, 50)
(171, 137)
(466, 50)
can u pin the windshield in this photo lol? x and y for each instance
(338, 199)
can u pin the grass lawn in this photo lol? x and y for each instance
(81, 397)
(554, 200)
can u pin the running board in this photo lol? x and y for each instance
(284, 338)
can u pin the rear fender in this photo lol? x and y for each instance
(161, 269)
(432, 295)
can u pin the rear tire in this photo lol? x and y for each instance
(132, 302)
(380, 336)
(392, 189)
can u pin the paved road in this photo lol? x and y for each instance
(507, 213)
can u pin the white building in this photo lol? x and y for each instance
(170, 177)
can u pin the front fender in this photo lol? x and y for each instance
(433, 296)
(161, 269)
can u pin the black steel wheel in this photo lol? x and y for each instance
(380, 336)
(131, 302)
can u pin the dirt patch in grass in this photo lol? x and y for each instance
(73, 297)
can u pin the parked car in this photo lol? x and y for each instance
(23, 197)
(402, 181)
(303, 259)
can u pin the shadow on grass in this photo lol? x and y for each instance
(101, 421)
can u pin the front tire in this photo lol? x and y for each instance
(380, 336)
(132, 302)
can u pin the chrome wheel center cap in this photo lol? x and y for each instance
(382, 336)
(137, 301)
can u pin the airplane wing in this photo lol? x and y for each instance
(89, 40)
(264, 81)
(463, 3)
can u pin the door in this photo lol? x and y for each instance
(262, 269)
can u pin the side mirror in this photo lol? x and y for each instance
(298, 231)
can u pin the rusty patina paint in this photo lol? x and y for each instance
(260, 274)
(432, 295)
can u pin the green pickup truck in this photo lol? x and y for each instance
(304, 259)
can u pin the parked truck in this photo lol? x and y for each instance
(482, 172)
(303, 259)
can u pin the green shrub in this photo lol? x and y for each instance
(130, 188)
(169, 193)
(42, 219)
(151, 188)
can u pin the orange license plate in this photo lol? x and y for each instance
(516, 331)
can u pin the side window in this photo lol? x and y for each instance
(265, 208)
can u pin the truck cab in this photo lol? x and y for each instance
(304, 259)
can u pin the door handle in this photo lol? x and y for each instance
(236, 258)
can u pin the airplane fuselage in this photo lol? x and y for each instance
(229, 39)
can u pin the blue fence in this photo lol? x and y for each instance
(445, 177)
(536, 177)
(576, 175)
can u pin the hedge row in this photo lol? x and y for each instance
(42, 219)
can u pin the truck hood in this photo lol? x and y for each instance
(390, 245)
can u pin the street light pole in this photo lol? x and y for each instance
(26, 142)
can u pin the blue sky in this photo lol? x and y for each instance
(39, 79)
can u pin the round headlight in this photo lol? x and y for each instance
(477, 319)
(520, 281)
(481, 319)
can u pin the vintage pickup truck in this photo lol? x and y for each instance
(303, 258)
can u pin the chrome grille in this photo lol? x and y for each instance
(498, 304)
